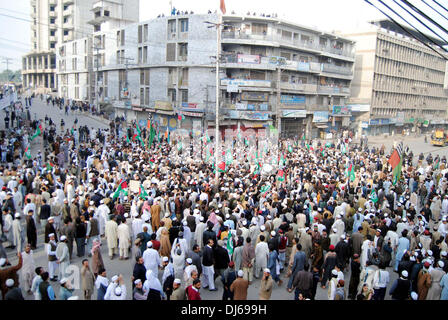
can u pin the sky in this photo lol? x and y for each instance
(325, 15)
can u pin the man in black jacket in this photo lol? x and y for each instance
(209, 234)
(227, 278)
(221, 259)
(45, 212)
(49, 229)
(207, 266)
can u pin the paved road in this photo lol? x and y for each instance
(116, 266)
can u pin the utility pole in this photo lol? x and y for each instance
(280, 62)
(218, 52)
(6, 61)
(97, 65)
(127, 64)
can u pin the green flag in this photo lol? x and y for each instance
(127, 139)
(374, 196)
(290, 149)
(28, 152)
(152, 134)
(179, 146)
(436, 164)
(230, 243)
(265, 189)
(72, 131)
(123, 185)
(229, 157)
(50, 166)
(397, 172)
(281, 175)
(142, 193)
(37, 133)
(351, 172)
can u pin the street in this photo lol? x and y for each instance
(39, 109)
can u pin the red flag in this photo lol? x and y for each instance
(394, 159)
(223, 7)
(148, 125)
(134, 136)
(222, 166)
(124, 184)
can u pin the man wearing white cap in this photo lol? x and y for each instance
(103, 212)
(187, 234)
(239, 287)
(116, 289)
(111, 236)
(28, 267)
(124, 240)
(178, 291)
(63, 256)
(14, 293)
(151, 258)
(139, 293)
(18, 231)
(51, 255)
(199, 232)
(189, 269)
(261, 256)
(266, 285)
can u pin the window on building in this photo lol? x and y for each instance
(286, 55)
(145, 54)
(286, 35)
(97, 14)
(305, 38)
(52, 20)
(65, 20)
(65, 7)
(65, 32)
(75, 51)
(97, 28)
(51, 8)
(106, 13)
(52, 45)
(257, 75)
(170, 52)
(52, 33)
(284, 78)
(184, 77)
(183, 25)
(183, 51)
(142, 95)
(184, 95)
(142, 77)
(171, 27)
(259, 28)
(256, 50)
(146, 77)
(140, 34)
(76, 78)
(172, 95)
(74, 64)
(145, 32)
(323, 41)
(140, 52)
(147, 96)
(76, 92)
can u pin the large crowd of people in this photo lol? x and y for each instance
(301, 216)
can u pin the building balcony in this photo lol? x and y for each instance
(68, 11)
(302, 87)
(333, 90)
(331, 68)
(68, 25)
(247, 83)
(66, 2)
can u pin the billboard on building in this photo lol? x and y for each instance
(249, 58)
(292, 99)
(320, 116)
(294, 113)
(163, 105)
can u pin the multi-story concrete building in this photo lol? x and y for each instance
(59, 21)
(166, 66)
(399, 82)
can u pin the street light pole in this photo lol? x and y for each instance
(217, 142)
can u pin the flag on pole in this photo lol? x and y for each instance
(123, 185)
(167, 135)
(127, 139)
(152, 134)
(436, 164)
(230, 243)
(229, 157)
(50, 166)
(265, 189)
(28, 152)
(344, 148)
(397, 172)
(222, 167)
(180, 117)
(395, 158)
(38, 132)
(290, 149)
(374, 196)
(72, 131)
(222, 6)
(351, 172)
(142, 194)
(281, 175)
(179, 145)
